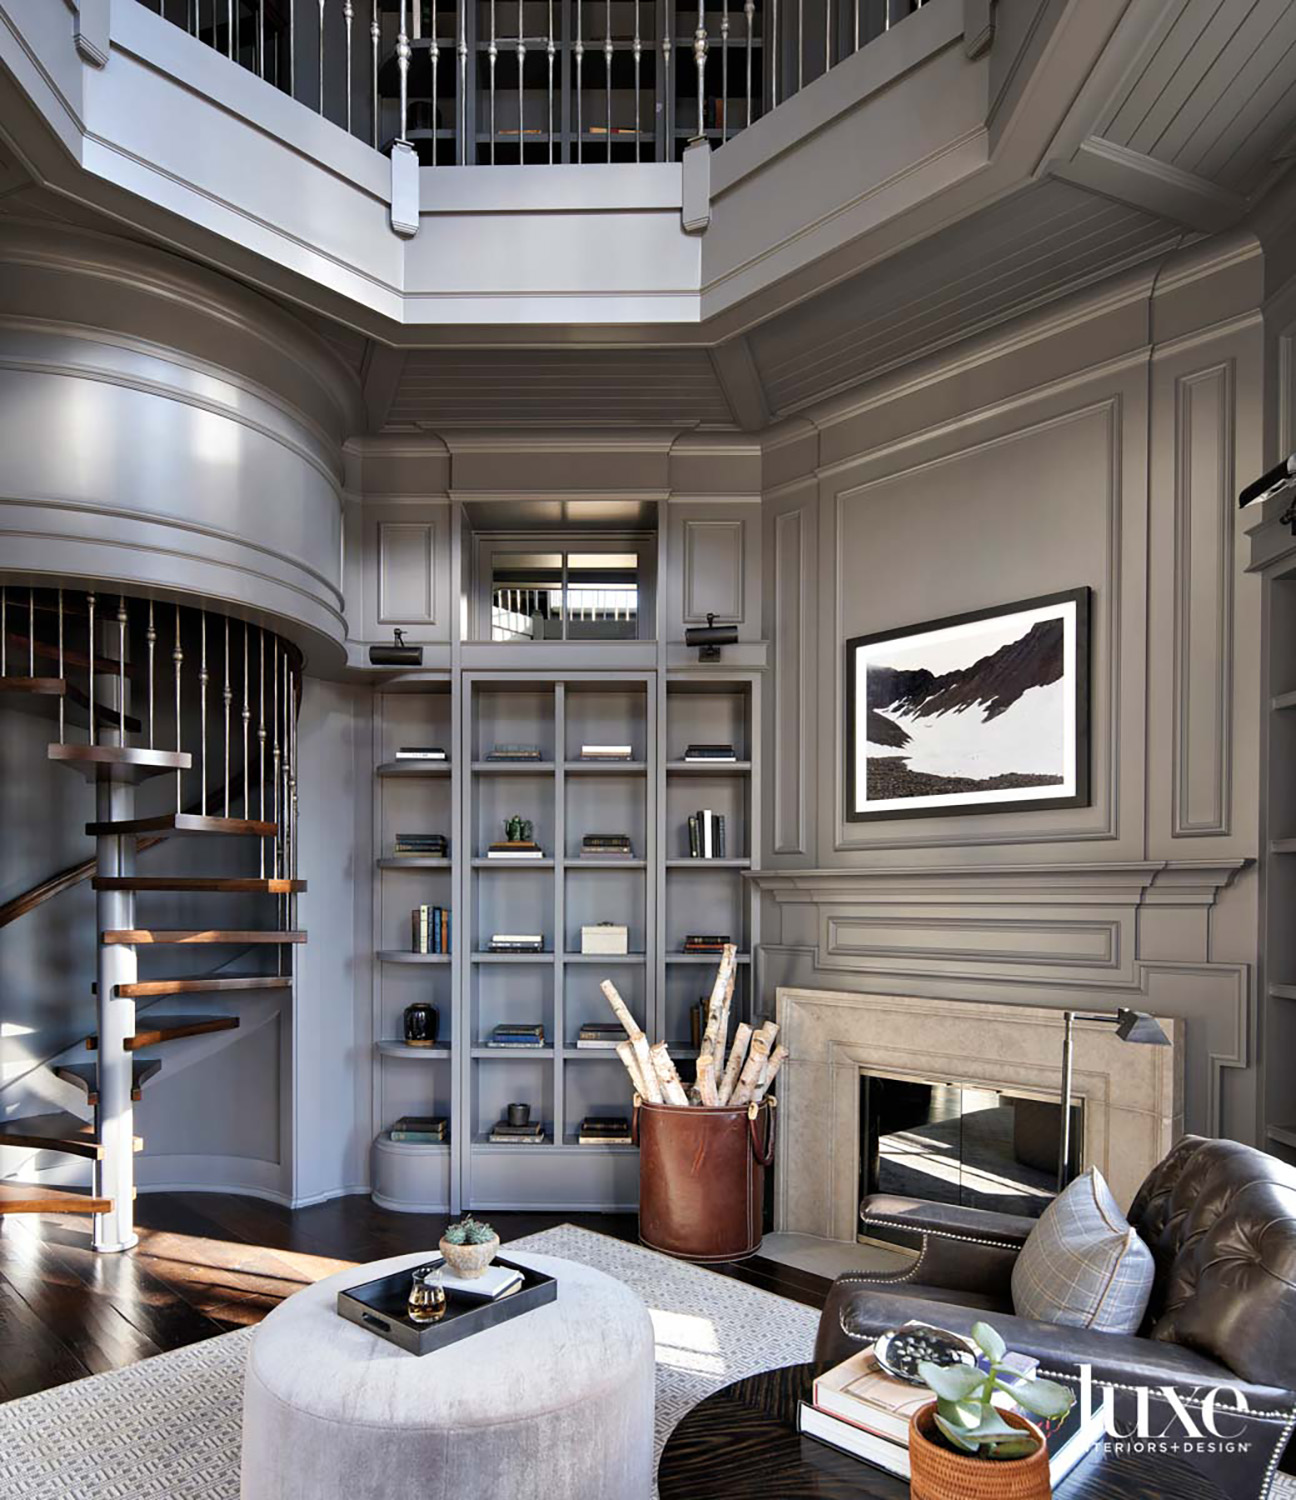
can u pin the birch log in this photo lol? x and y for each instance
(750, 1075)
(620, 1009)
(737, 1055)
(775, 1061)
(652, 1089)
(628, 1060)
(723, 981)
(667, 1076)
(706, 1079)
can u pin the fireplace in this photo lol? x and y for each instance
(982, 1121)
(961, 1143)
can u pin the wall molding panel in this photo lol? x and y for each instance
(790, 683)
(713, 571)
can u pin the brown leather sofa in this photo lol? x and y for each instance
(1220, 1220)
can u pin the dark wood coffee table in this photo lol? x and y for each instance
(743, 1441)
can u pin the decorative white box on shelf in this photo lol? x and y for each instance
(605, 937)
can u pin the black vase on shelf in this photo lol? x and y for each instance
(420, 1024)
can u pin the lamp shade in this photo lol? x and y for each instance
(1138, 1026)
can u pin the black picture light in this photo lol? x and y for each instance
(1281, 477)
(710, 637)
(398, 654)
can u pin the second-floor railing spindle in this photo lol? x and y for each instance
(292, 48)
(247, 719)
(462, 48)
(772, 43)
(274, 748)
(667, 94)
(724, 72)
(700, 58)
(749, 12)
(260, 45)
(375, 36)
(637, 50)
(261, 735)
(202, 714)
(348, 16)
(227, 697)
(121, 670)
(800, 45)
(62, 711)
(550, 53)
(403, 53)
(521, 62)
(492, 54)
(177, 657)
(90, 657)
(434, 50)
(150, 636)
(231, 29)
(321, 56)
(578, 52)
(607, 74)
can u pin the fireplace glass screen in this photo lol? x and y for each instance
(950, 1143)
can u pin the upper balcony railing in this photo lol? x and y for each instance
(486, 82)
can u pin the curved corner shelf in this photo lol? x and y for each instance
(414, 1054)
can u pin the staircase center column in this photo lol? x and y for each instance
(114, 1114)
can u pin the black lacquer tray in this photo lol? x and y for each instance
(380, 1306)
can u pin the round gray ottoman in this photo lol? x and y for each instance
(555, 1404)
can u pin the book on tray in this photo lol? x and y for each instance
(430, 929)
(425, 1129)
(516, 942)
(494, 1282)
(860, 1409)
(604, 1130)
(706, 831)
(514, 752)
(697, 753)
(606, 752)
(516, 1034)
(421, 752)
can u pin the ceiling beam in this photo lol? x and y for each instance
(1155, 186)
(382, 370)
(740, 381)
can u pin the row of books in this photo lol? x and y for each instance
(516, 942)
(514, 752)
(428, 845)
(858, 1408)
(421, 752)
(604, 1130)
(698, 754)
(600, 1036)
(606, 752)
(425, 1130)
(516, 1034)
(606, 846)
(531, 1134)
(430, 929)
(706, 942)
(509, 850)
(706, 831)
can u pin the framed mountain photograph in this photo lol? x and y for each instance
(983, 712)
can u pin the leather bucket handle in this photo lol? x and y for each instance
(766, 1155)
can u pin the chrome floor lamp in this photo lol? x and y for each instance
(1131, 1026)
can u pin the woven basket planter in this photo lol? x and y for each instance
(470, 1261)
(938, 1473)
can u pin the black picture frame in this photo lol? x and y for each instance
(1079, 797)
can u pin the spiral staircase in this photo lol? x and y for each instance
(131, 673)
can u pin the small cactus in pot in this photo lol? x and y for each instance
(469, 1247)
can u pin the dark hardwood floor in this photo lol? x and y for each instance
(207, 1263)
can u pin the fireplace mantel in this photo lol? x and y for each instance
(1133, 1095)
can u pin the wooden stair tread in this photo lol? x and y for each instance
(16, 1198)
(153, 1030)
(86, 1076)
(119, 762)
(143, 936)
(183, 823)
(149, 987)
(59, 1131)
(49, 687)
(268, 886)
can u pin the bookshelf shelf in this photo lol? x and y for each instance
(1283, 991)
(1282, 702)
(513, 767)
(708, 864)
(399, 769)
(576, 862)
(608, 959)
(403, 956)
(412, 862)
(703, 958)
(511, 1054)
(544, 957)
(481, 863)
(605, 768)
(708, 768)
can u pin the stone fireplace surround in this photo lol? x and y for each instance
(1133, 1094)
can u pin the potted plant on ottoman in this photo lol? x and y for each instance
(963, 1447)
(469, 1247)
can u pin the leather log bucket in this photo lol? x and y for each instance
(702, 1178)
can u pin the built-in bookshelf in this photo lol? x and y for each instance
(412, 797)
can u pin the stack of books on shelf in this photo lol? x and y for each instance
(706, 942)
(600, 1036)
(516, 942)
(706, 830)
(514, 850)
(516, 1034)
(421, 752)
(604, 1130)
(606, 752)
(606, 846)
(422, 1130)
(513, 752)
(858, 1408)
(698, 754)
(430, 929)
(504, 1134)
(422, 845)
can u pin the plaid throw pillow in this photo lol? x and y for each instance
(1083, 1265)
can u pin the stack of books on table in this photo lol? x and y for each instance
(600, 1036)
(516, 942)
(430, 929)
(700, 753)
(860, 1409)
(504, 1134)
(514, 752)
(606, 846)
(706, 831)
(516, 1034)
(422, 1130)
(515, 850)
(706, 942)
(606, 752)
(421, 752)
(423, 845)
(604, 1130)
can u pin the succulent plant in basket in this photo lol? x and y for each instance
(964, 1447)
(469, 1247)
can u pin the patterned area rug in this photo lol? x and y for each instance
(168, 1427)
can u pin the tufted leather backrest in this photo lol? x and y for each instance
(1220, 1220)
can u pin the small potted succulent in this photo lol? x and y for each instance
(469, 1247)
(964, 1447)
